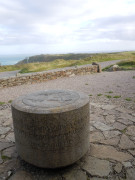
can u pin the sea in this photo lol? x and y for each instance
(12, 59)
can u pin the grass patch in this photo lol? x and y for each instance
(4, 158)
(90, 94)
(133, 77)
(10, 101)
(108, 96)
(35, 66)
(128, 99)
(24, 70)
(123, 131)
(116, 97)
(1, 103)
(99, 94)
(124, 65)
(127, 63)
(106, 68)
(110, 92)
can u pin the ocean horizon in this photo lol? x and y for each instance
(12, 59)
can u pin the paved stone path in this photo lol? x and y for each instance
(111, 154)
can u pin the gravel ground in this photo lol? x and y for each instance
(13, 73)
(121, 83)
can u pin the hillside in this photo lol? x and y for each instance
(48, 62)
(49, 58)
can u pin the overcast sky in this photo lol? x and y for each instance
(63, 26)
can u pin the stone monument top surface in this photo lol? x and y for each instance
(52, 101)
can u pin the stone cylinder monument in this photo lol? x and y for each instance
(51, 127)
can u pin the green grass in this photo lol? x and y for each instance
(106, 68)
(90, 94)
(5, 157)
(133, 77)
(99, 94)
(110, 92)
(124, 65)
(61, 63)
(127, 65)
(1, 103)
(123, 131)
(108, 96)
(10, 101)
(116, 97)
(128, 99)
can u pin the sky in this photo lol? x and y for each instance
(66, 26)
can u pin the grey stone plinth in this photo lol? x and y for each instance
(51, 127)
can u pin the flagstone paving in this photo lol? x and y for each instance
(111, 153)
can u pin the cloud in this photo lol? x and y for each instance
(112, 28)
(61, 23)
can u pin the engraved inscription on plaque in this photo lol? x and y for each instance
(51, 99)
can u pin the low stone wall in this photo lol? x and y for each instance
(31, 78)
